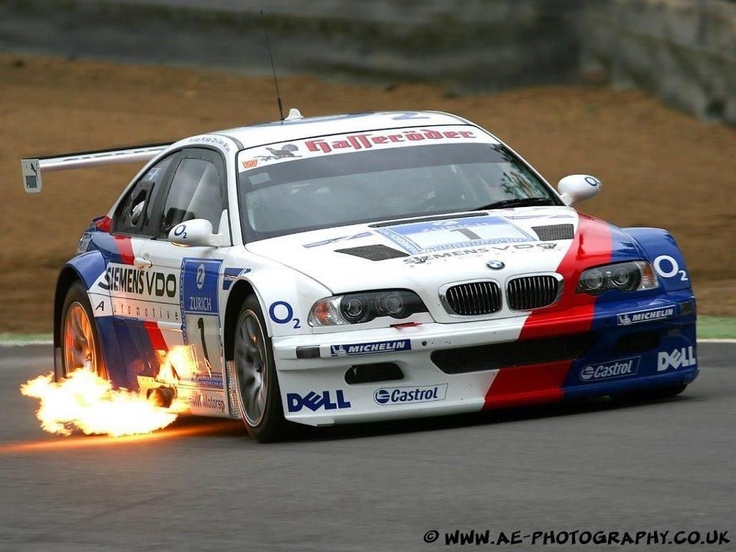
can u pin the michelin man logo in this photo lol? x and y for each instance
(339, 350)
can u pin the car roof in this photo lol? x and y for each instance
(296, 127)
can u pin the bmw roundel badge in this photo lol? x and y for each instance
(495, 265)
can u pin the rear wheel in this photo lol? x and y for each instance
(80, 346)
(259, 396)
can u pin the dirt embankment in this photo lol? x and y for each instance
(659, 167)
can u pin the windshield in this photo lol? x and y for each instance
(377, 185)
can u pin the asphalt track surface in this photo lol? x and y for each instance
(203, 485)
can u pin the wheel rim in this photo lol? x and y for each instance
(80, 349)
(250, 361)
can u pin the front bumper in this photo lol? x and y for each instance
(436, 369)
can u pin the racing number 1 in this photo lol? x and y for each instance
(200, 325)
(467, 233)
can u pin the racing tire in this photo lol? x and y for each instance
(258, 392)
(80, 345)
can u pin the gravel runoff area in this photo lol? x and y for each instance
(659, 167)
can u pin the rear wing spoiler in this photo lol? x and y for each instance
(32, 167)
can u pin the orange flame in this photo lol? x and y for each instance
(86, 402)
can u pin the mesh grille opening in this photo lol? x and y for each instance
(512, 354)
(371, 373)
(637, 342)
(555, 232)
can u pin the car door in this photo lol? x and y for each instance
(187, 277)
(125, 279)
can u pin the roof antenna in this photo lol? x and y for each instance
(273, 67)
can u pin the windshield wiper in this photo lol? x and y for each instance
(518, 202)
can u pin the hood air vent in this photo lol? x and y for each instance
(555, 232)
(376, 252)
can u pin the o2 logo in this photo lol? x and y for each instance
(181, 231)
(282, 312)
(667, 267)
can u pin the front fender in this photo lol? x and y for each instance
(662, 251)
(286, 297)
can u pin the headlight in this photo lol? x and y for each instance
(631, 276)
(358, 308)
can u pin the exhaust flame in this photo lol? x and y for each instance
(86, 402)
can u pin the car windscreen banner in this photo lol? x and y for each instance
(353, 142)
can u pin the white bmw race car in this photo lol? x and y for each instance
(364, 267)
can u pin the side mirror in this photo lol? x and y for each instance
(195, 232)
(578, 187)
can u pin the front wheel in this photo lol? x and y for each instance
(80, 346)
(259, 396)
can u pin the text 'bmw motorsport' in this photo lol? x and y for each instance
(406, 395)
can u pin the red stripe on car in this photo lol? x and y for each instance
(125, 249)
(526, 385)
(158, 343)
(572, 314)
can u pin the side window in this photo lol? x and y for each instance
(134, 211)
(195, 193)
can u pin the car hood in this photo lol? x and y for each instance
(426, 253)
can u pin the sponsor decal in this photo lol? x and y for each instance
(153, 174)
(31, 169)
(315, 401)
(142, 309)
(200, 304)
(443, 235)
(213, 381)
(209, 402)
(282, 312)
(334, 240)
(420, 259)
(287, 151)
(199, 286)
(231, 275)
(199, 307)
(370, 348)
(346, 143)
(369, 140)
(609, 370)
(679, 358)
(83, 244)
(211, 140)
(667, 267)
(389, 396)
(629, 318)
(126, 279)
